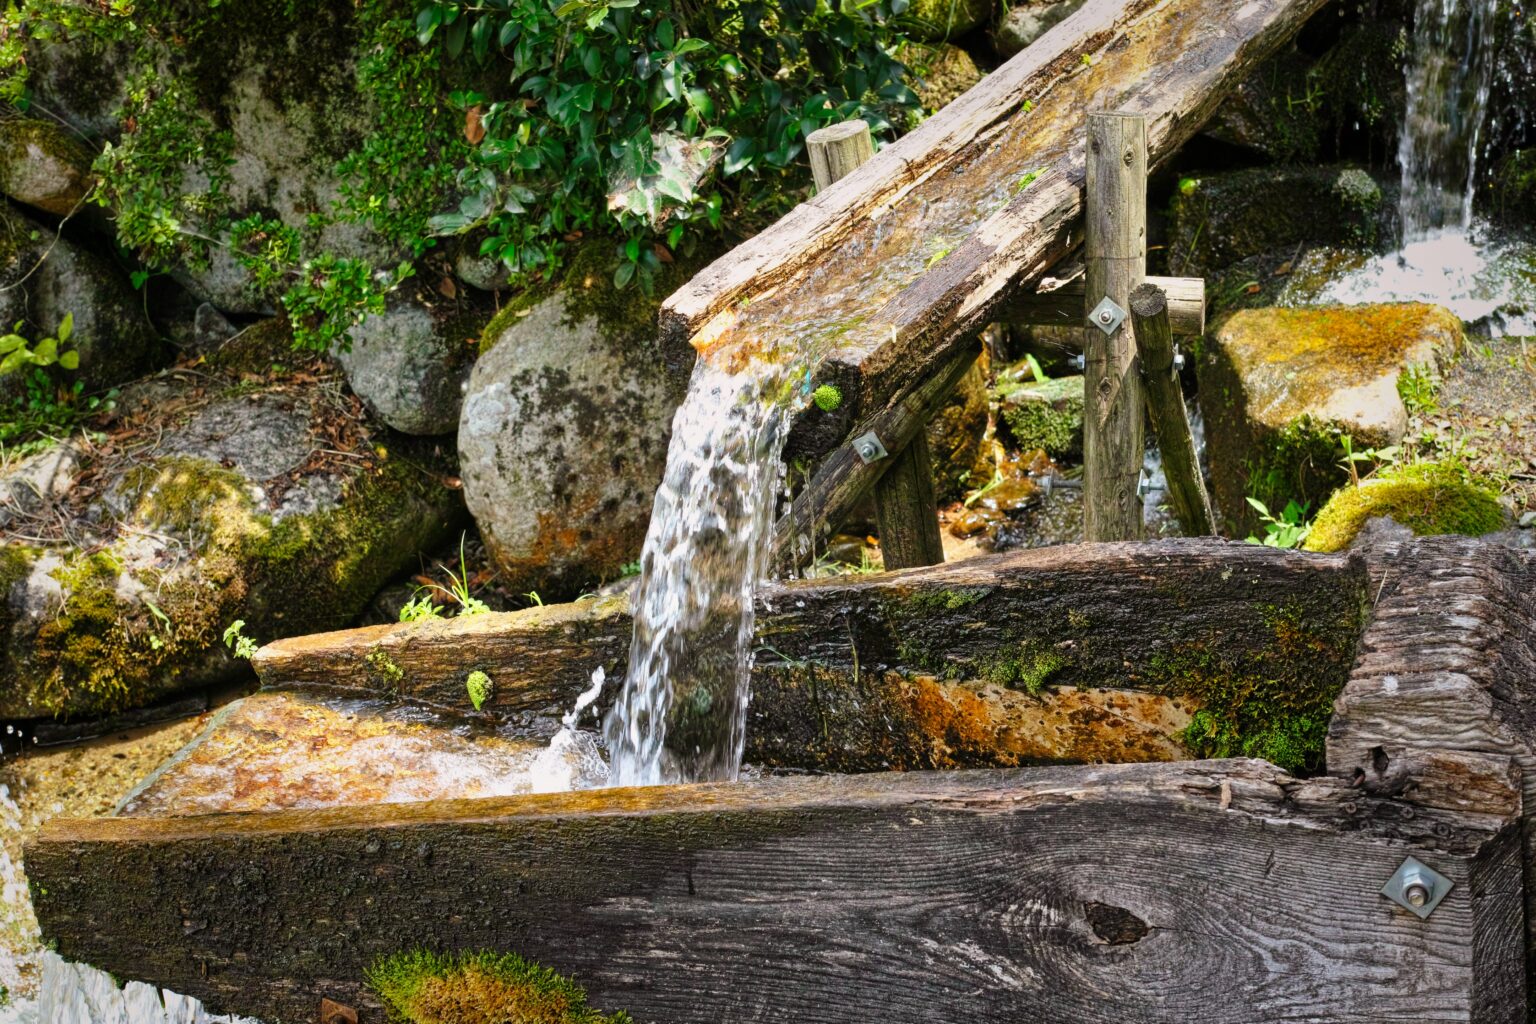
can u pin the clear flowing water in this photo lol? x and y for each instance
(1450, 75)
(682, 714)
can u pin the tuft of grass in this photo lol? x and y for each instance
(482, 987)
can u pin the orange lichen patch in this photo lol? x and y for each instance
(275, 751)
(1334, 364)
(975, 723)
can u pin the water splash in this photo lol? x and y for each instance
(1449, 79)
(682, 714)
(73, 993)
(572, 759)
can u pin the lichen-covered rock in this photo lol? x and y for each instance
(1029, 20)
(238, 510)
(43, 165)
(563, 437)
(1428, 498)
(1047, 415)
(44, 278)
(962, 451)
(937, 21)
(1279, 389)
(1222, 218)
(941, 72)
(409, 363)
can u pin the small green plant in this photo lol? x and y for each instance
(16, 352)
(386, 668)
(1027, 180)
(1419, 388)
(943, 250)
(480, 688)
(1035, 368)
(481, 987)
(1187, 186)
(1377, 457)
(827, 398)
(534, 599)
(235, 639)
(459, 590)
(630, 569)
(420, 608)
(1287, 530)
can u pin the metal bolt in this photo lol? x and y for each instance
(1417, 893)
(1080, 361)
(1416, 887)
(1106, 317)
(867, 450)
(1178, 360)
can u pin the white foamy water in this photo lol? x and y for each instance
(78, 994)
(682, 714)
(1486, 282)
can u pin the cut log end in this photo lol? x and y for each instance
(1148, 300)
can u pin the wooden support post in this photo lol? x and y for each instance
(1115, 262)
(905, 504)
(838, 150)
(1170, 420)
(1063, 307)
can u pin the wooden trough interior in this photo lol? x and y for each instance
(1196, 890)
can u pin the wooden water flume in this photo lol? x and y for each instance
(1003, 889)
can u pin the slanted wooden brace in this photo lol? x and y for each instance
(906, 508)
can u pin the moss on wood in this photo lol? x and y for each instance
(480, 988)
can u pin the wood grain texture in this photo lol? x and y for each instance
(1448, 663)
(1218, 891)
(838, 150)
(1063, 307)
(907, 511)
(1114, 263)
(1153, 334)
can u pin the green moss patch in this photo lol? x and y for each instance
(1047, 415)
(1428, 498)
(480, 988)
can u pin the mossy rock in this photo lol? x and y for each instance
(1223, 218)
(1027, 21)
(480, 988)
(1047, 415)
(230, 518)
(938, 21)
(1279, 388)
(43, 165)
(942, 72)
(1429, 498)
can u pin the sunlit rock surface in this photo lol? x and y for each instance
(1279, 388)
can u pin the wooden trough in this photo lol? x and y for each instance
(1219, 890)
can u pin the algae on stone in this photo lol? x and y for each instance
(1429, 498)
(1047, 415)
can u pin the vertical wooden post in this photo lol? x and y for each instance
(837, 150)
(906, 508)
(1165, 402)
(1116, 262)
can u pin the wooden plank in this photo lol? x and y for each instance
(1165, 407)
(994, 186)
(1063, 307)
(838, 150)
(1114, 262)
(1448, 663)
(839, 678)
(1194, 893)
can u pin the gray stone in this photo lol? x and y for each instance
(562, 443)
(44, 165)
(33, 485)
(409, 364)
(1028, 21)
(210, 328)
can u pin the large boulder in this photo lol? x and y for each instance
(44, 278)
(278, 505)
(1281, 388)
(1219, 219)
(410, 363)
(44, 165)
(564, 432)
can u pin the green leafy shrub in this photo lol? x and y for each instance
(480, 988)
(16, 351)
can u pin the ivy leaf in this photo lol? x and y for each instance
(70, 360)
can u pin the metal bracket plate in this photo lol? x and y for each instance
(1107, 316)
(1417, 887)
(868, 448)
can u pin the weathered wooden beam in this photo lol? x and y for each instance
(1193, 893)
(918, 250)
(935, 667)
(1165, 406)
(1448, 663)
(1063, 307)
(845, 476)
(1114, 262)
